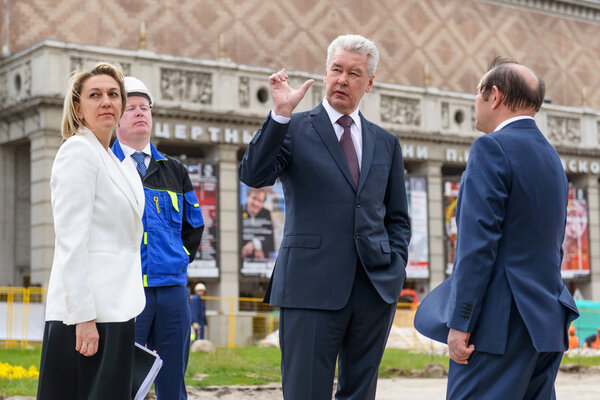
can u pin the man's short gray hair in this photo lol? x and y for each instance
(358, 44)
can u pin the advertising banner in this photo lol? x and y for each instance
(576, 246)
(418, 250)
(204, 179)
(262, 218)
(451, 186)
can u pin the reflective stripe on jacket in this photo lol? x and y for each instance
(173, 221)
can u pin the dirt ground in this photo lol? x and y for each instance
(569, 386)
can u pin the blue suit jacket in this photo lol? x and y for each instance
(330, 223)
(511, 215)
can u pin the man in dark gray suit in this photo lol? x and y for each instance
(341, 265)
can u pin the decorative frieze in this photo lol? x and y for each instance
(587, 10)
(563, 130)
(244, 91)
(27, 79)
(80, 64)
(186, 86)
(3, 87)
(400, 110)
(445, 115)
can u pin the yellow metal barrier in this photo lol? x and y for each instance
(19, 327)
(15, 316)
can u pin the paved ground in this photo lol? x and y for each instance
(568, 387)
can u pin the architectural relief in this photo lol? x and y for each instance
(244, 92)
(186, 86)
(445, 115)
(79, 64)
(400, 110)
(562, 130)
(27, 79)
(3, 88)
(582, 9)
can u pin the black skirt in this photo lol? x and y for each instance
(65, 374)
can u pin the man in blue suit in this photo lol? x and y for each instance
(341, 265)
(505, 307)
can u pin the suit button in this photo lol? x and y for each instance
(358, 204)
(357, 235)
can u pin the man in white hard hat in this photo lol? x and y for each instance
(173, 226)
(198, 309)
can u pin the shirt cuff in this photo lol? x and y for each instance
(279, 118)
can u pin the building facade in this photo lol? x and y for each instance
(208, 66)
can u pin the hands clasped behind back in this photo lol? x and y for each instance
(285, 98)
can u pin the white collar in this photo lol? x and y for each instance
(334, 114)
(513, 119)
(128, 151)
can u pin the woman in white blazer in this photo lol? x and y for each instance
(95, 290)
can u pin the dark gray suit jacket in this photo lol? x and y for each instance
(331, 224)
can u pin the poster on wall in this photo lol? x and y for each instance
(451, 186)
(576, 258)
(204, 180)
(576, 246)
(418, 249)
(262, 218)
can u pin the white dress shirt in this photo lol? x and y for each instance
(128, 151)
(334, 115)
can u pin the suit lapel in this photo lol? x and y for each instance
(118, 174)
(368, 142)
(322, 124)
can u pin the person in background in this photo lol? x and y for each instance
(593, 341)
(198, 309)
(173, 227)
(573, 340)
(95, 289)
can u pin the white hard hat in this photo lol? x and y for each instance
(133, 86)
(199, 286)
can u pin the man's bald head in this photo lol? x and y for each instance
(521, 88)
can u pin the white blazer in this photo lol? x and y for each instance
(97, 204)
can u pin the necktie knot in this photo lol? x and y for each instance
(345, 121)
(139, 157)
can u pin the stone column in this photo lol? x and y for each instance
(433, 171)
(7, 214)
(591, 291)
(44, 145)
(228, 225)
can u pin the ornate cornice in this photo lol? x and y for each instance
(587, 10)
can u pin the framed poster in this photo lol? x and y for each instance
(262, 216)
(418, 249)
(450, 197)
(204, 179)
(576, 246)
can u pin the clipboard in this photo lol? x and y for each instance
(146, 366)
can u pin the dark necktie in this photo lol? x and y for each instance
(138, 156)
(348, 147)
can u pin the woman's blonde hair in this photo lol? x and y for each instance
(70, 122)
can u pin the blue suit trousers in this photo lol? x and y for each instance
(520, 373)
(165, 326)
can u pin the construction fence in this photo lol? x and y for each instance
(232, 321)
